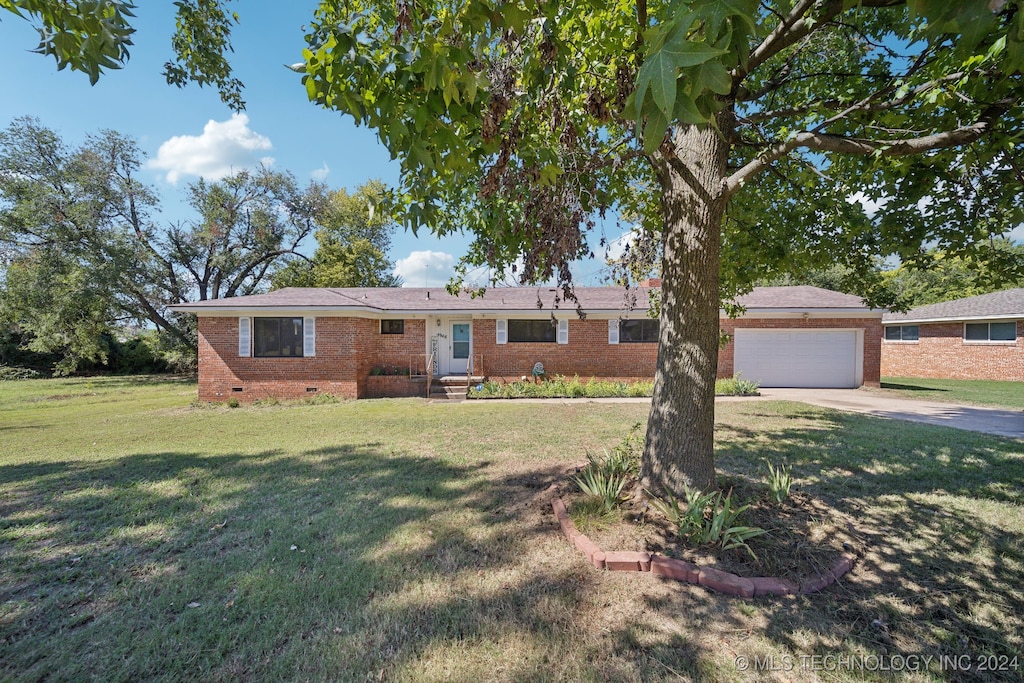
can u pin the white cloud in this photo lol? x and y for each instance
(615, 249)
(1017, 234)
(870, 206)
(320, 173)
(223, 148)
(426, 269)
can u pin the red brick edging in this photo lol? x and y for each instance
(680, 570)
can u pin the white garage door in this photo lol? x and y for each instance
(798, 358)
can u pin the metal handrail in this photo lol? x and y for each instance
(430, 373)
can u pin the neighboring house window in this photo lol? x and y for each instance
(901, 333)
(277, 337)
(990, 331)
(643, 330)
(531, 331)
(392, 327)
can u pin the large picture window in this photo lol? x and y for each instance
(990, 331)
(531, 331)
(643, 330)
(277, 337)
(902, 333)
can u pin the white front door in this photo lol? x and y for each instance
(460, 340)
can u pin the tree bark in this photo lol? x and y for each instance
(679, 449)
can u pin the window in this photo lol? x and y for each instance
(531, 331)
(990, 332)
(901, 333)
(392, 327)
(643, 330)
(277, 337)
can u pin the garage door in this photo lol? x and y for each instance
(798, 358)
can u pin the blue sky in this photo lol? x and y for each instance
(188, 132)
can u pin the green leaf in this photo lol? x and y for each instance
(654, 130)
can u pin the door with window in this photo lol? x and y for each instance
(461, 342)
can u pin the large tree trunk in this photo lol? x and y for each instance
(680, 431)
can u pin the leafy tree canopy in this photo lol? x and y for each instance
(82, 248)
(94, 35)
(352, 243)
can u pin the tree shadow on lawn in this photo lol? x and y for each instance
(939, 514)
(342, 563)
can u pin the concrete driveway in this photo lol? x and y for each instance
(996, 421)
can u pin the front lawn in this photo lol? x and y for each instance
(143, 538)
(971, 391)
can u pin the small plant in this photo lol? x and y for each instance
(321, 399)
(779, 481)
(233, 403)
(601, 485)
(708, 519)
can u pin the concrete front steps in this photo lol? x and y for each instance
(451, 387)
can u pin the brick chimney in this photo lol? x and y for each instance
(651, 282)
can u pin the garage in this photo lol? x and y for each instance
(799, 357)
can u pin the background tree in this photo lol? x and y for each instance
(83, 252)
(352, 243)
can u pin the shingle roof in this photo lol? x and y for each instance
(1008, 303)
(427, 300)
(802, 296)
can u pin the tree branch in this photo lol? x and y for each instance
(822, 142)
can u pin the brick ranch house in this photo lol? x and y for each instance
(974, 338)
(295, 342)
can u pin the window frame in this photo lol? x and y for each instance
(391, 322)
(513, 323)
(916, 338)
(644, 323)
(298, 339)
(988, 333)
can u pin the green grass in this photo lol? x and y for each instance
(974, 391)
(142, 538)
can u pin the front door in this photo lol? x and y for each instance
(460, 347)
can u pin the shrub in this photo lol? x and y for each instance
(736, 386)
(708, 519)
(560, 387)
(9, 373)
(389, 370)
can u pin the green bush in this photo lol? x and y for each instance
(736, 386)
(560, 387)
(9, 373)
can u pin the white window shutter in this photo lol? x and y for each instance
(563, 331)
(244, 338)
(613, 331)
(501, 331)
(309, 337)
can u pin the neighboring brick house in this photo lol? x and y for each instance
(294, 342)
(974, 338)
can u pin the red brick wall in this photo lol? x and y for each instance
(941, 353)
(346, 349)
(872, 338)
(588, 354)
